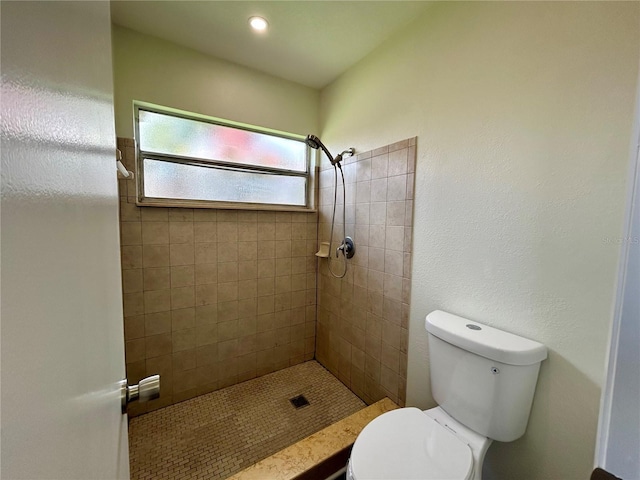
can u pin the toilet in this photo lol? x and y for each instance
(483, 380)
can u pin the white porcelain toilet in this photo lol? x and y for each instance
(483, 380)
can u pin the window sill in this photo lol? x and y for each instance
(174, 203)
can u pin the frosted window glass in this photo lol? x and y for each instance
(192, 182)
(170, 135)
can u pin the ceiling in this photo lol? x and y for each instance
(308, 42)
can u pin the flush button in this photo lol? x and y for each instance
(473, 327)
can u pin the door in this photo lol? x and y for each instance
(618, 447)
(62, 335)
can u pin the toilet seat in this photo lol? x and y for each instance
(407, 444)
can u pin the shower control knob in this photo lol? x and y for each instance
(348, 248)
(147, 389)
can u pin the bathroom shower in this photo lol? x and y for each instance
(347, 247)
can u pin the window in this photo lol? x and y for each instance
(186, 159)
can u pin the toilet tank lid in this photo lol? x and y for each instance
(484, 340)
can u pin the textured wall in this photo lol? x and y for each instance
(523, 111)
(363, 317)
(157, 71)
(213, 297)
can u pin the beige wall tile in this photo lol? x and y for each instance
(134, 327)
(155, 256)
(395, 213)
(154, 214)
(228, 311)
(157, 278)
(206, 273)
(205, 232)
(265, 304)
(397, 188)
(227, 330)
(183, 339)
(247, 307)
(408, 213)
(135, 350)
(393, 286)
(204, 215)
(182, 276)
(227, 291)
(157, 301)
(247, 289)
(228, 251)
(183, 318)
(393, 262)
(206, 314)
(227, 215)
(248, 232)
(157, 345)
(247, 216)
(398, 162)
(206, 294)
(266, 231)
(182, 297)
(206, 253)
(182, 254)
(181, 232)
(207, 354)
(394, 238)
(410, 186)
(133, 304)
(378, 213)
(136, 371)
(131, 256)
(157, 323)
(266, 249)
(132, 281)
(129, 212)
(130, 233)
(283, 248)
(183, 360)
(227, 349)
(205, 279)
(247, 326)
(181, 215)
(354, 330)
(228, 271)
(186, 383)
(247, 270)
(160, 365)
(376, 259)
(380, 166)
(155, 233)
(227, 231)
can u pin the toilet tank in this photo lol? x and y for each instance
(483, 377)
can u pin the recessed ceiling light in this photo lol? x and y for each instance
(258, 23)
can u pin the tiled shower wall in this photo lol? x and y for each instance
(213, 297)
(363, 318)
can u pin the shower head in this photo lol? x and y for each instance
(315, 143)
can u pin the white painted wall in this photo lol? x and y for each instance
(154, 70)
(523, 113)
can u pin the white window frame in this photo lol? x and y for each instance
(143, 200)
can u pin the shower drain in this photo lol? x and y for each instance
(299, 401)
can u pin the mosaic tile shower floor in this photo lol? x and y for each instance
(216, 435)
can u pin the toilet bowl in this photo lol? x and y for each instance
(483, 380)
(409, 443)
